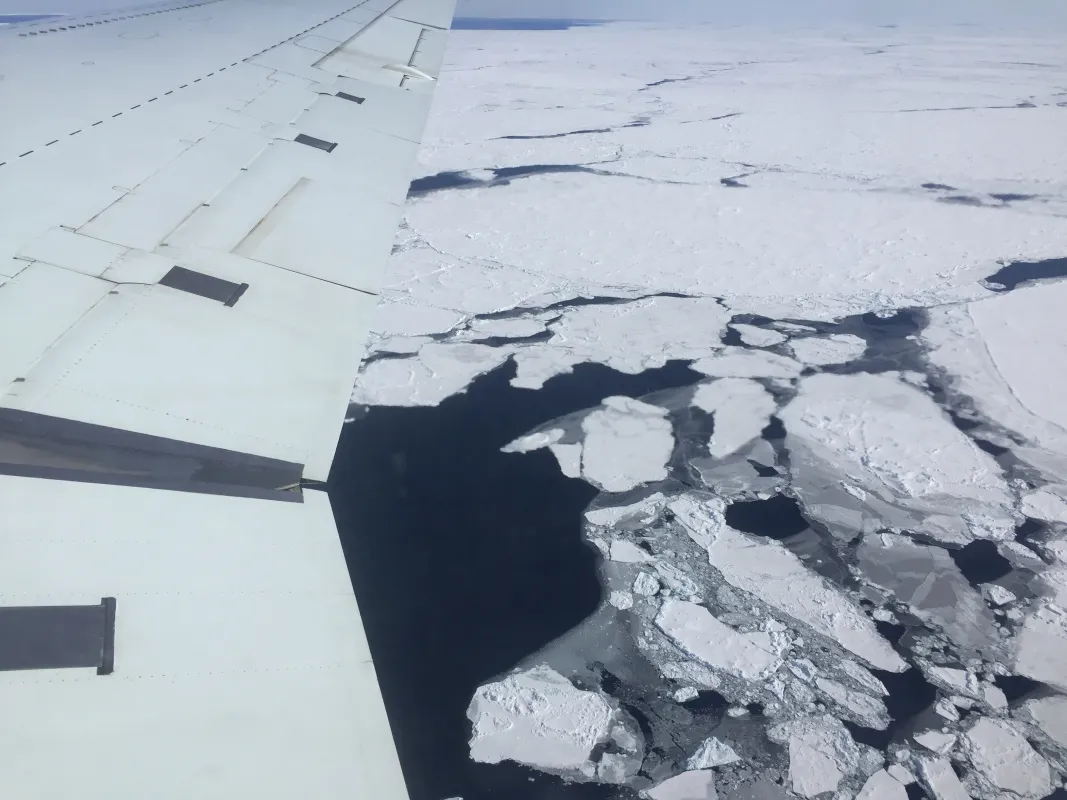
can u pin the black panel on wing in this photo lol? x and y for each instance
(58, 637)
(193, 282)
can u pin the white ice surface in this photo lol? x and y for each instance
(871, 710)
(540, 719)
(821, 754)
(882, 786)
(777, 577)
(695, 630)
(755, 336)
(1041, 651)
(835, 349)
(937, 741)
(737, 362)
(1001, 754)
(627, 443)
(741, 408)
(897, 444)
(440, 371)
(1045, 505)
(640, 512)
(646, 584)
(1050, 714)
(692, 785)
(627, 552)
(941, 779)
(712, 753)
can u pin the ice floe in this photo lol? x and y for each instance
(755, 336)
(834, 349)
(540, 719)
(741, 408)
(882, 786)
(821, 754)
(712, 753)
(693, 785)
(1002, 757)
(695, 630)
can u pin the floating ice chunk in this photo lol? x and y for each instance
(627, 443)
(507, 328)
(693, 785)
(821, 754)
(836, 349)
(997, 595)
(1050, 715)
(755, 336)
(863, 677)
(533, 441)
(1045, 505)
(646, 584)
(627, 552)
(440, 371)
(1041, 651)
(1003, 757)
(641, 512)
(742, 409)
(900, 447)
(882, 786)
(872, 712)
(695, 630)
(994, 697)
(685, 694)
(927, 578)
(959, 680)
(939, 777)
(1020, 555)
(804, 669)
(777, 577)
(737, 362)
(569, 457)
(621, 600)
(712, 753)
(901, 773)
(945, 708)
(936, 740)
(400, 345)
(538, 718)
(691, 672)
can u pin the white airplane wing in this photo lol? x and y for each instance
(197, 202)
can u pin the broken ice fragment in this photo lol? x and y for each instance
(944, 708)
(1003, 757)
(1042, 646)
(882, 786)
(685, 694)
(569, 458)
(940, 779)
(1045, 505)
(870, 711)
(694, 785)
(645, 584)
(936, 740)
(959, 680)
(621, 600)
(712, 753)
(821, 754)
(641, 513)
(627, 552)
(754, 336)
(901, 773)
(997, 595)
(863, 677)
(1050, 714)
(772, 573)
(737, 362)
(835, 349)
(533, 441)
(695, 630)
(627, 443)
(538, 718)
(994, 697)
(741, 408)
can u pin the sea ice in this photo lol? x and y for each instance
(755, 336)
(871, 712)
(1045, 505)
(939, 777)
(901, 448)
(882, 786)
(695, 630)
(693, 785)
(627, 443)
(712, 753)
(936, 740)
(772, 573)
(1041, 651)
(835, 349)
(821, 754)
(742, 408)
(440, 371)
(540, 719)
(737, 362)
(1050, 714)
(1003, 757)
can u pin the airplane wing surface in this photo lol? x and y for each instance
(197, 202)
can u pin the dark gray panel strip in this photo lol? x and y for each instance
(41, 446)
(352, 97)
(203, 285)
(58, 637)
(311, 141)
